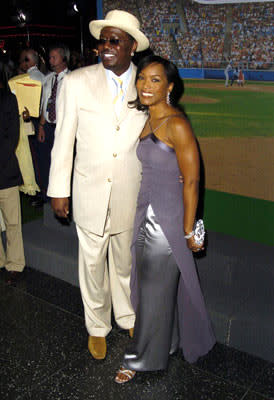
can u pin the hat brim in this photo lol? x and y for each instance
(95, 28)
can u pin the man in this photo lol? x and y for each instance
(13, 258)
(29, 60)
(226, 72)
(234, 76)
(58, 60)
(93, 108)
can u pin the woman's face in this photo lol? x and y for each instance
(152, 85)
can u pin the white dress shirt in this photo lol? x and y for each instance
(36, 74)
(125, 77)
(47, 88)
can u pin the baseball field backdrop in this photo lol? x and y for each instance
(234, 125)
(235, 130)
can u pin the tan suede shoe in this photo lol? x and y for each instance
(97, 347)
(131, 332)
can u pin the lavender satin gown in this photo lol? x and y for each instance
(165, 290)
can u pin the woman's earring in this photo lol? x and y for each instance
(168, 98)
(132, 53)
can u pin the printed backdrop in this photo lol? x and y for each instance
(230, 1)
(234, 123)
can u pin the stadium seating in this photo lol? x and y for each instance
(198, 35)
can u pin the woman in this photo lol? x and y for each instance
(165, 291)
(23, 152)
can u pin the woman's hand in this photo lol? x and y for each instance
(193, 246)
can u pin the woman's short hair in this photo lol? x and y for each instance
(172, 75)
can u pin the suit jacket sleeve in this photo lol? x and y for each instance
(63, 149)
(9, 133)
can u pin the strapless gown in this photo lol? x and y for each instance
(165, 290)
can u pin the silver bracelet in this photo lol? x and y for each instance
(189, 235)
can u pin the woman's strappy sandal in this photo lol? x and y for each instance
(127, 375)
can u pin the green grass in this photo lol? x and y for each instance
(239, 216)
(239, 113)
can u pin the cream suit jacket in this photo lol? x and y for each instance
(107, 172)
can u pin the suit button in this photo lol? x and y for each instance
(114, 154)
(117, 128)
(109, 180)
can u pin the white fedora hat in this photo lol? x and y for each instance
(124, 21)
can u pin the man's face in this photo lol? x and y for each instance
(22, 65)
(56, 61)
(26, 61)
(116, 55)
(30, 62)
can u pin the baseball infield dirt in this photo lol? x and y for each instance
(243, 166)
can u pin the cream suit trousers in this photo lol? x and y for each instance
(104, 275)
(13, 258)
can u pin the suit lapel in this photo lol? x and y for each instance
(102, 92)
(103, 95)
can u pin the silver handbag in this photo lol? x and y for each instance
(199, 232)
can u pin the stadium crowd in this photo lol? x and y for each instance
(206, 36)
(252, 35)
(197, 35)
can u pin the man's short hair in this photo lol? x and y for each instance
(63, 51)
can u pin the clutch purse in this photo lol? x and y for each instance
(199, 232)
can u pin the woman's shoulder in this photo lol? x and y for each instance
(178, 122)
(179, 128)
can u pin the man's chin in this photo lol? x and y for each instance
(108, 64)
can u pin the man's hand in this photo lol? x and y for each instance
(41, 134)
(60, 206)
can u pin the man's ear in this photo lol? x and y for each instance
(134, 47)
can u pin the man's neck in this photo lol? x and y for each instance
(120, 71)
(30, 68)
(114, 73)
(59, 70)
